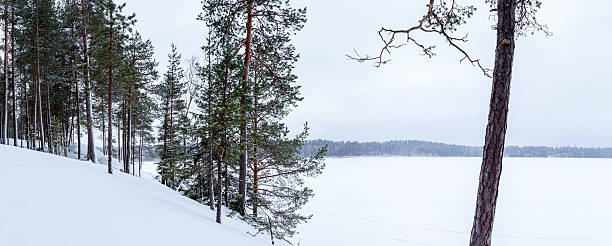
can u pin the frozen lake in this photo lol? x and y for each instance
(430, 201)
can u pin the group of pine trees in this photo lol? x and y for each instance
(76, 68)
(72, 66)
(222, 140)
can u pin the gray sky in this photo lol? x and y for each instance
(561, 88)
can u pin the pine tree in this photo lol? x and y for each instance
(139, 75)
(250, 89)
(170, 92)
(91, 155)
(111, 32)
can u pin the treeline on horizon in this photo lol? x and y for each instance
(433, 149)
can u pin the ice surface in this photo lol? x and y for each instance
(430, 201)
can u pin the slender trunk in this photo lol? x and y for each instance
(140, 156)
(78, 107)
(124, 137)
(110, 96)
(490, 172)
(71, 129)
(37, 78)
(119, 139)
(35, 131)
(219, 182)
(210, 175)
(226, 183)
(130, 151)
(104, 149)
(15, 132)
(172, 149)
(27, 113)
(50, 139)
(164, 156)
(6, 78)
(243, 133)
(133, 148)
(91, 154)
(211, 165)
(255, 169)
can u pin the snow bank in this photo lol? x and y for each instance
(50, 200)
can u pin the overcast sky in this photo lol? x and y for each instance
(561, 89)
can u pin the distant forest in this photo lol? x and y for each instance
(425, 148)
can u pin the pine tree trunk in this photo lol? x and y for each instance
(15, 131)
(140, 157)
(27, 113)
(37, 78)
(226, 183)
(211, 193)
(163, 170)
(255, 169)
(50, 138)
(133, 148)
(35, 114)
(78, 108)
(6, 78)
(171, 162)
(104, 148)
(219, 181)
(91, 154)
(119, 139)
(110, 96)
(243, 133)
(130, 144)
(496, 129)
(211, 165)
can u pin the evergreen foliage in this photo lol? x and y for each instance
(74, 65)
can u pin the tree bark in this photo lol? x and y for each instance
(171, 161)
(255, 169)
(490, 172)
(140, 156)
(6, 78)
(91, 154)
(78, 108)
(48, 106)
(130, 142)
(110, 96)
(37, 79)
(27, 113)
(164, 176)
(243, 133)
(104, 149)
(211, 193)
(211, 165)
(15, 131)
(219, 183)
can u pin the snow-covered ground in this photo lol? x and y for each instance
(50, 200)
(430, 201)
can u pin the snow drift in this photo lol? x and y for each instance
(51, 200)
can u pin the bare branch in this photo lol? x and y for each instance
(432, 22)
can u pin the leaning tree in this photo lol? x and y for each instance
(514, 18)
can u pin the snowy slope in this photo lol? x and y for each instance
(51, 200)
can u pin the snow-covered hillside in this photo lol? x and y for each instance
(50, 200)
